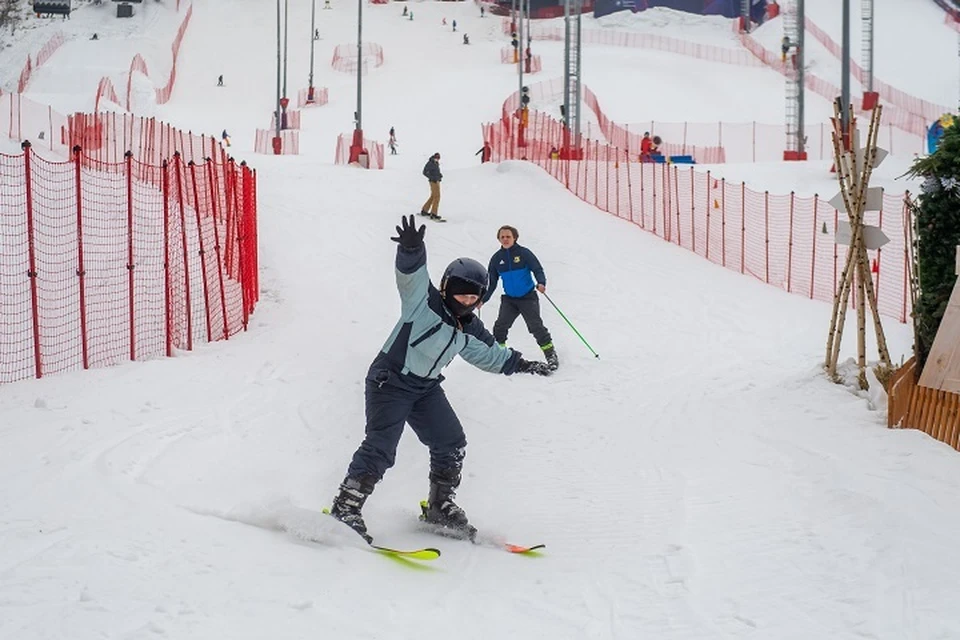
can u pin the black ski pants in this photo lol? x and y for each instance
(391, 402)
(529, 307)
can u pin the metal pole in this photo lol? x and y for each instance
(845, 76)
(286, 25)
(801, 54)
(278, 69)
(359, 63)
(521, 56)
(313, 30)
(867, 38)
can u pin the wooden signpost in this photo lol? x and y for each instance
(854, 168)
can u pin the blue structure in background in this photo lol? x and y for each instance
(727, 8)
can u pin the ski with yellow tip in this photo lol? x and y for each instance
(426, 553)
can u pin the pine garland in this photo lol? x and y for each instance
(937, 236)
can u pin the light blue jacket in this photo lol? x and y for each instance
(427, 336)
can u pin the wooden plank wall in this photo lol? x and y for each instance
(933, 411)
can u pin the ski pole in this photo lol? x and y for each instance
(595, 354)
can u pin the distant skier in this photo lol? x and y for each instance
(392, 144)
(454, 23)
(220, 80)
(466, 39)
(482, 11)
(225, 137)
(316, 34)
(402, 384)
(404, 12)
(431, 172)
(485, 152)
(784, 48)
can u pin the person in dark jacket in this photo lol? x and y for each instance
(431, 171)
(485, 152)
(522, 277)
(403, 382)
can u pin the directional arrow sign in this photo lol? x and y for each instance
(874, 200)
(877, 159)
(873, 237)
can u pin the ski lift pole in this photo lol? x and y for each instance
(595, 354)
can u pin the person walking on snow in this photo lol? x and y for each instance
(220, 81)
(522, 277)
(392, 143)
(454, 23)
(402, 384)
(485, 152)
(431, 171)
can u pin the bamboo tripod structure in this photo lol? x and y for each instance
(856, 274)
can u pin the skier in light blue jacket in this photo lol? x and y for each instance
(403, 382)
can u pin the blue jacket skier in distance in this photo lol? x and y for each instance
(403, 382)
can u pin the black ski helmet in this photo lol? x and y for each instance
(463, 276)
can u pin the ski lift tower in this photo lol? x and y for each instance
(793, 20)
(572, 12)
(870, 97)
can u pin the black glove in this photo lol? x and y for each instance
(409, 237)
(536, 368)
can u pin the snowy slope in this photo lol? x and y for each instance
(700, 480)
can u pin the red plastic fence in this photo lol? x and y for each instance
(139, 65)
(534, 65)
(106, 262)
(374, 150)
(289, 142)
(719, 142)
(42, 56)
(320, 97)
(912, 104)
(753, 54)
(345, 57)
(893, 115)
(107, 137)
(784, 240)
(293, 119)
(611, 38)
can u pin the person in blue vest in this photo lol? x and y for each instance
(403, 382)
(522, 277)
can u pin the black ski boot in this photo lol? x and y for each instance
(553, 362)
(348, 503)
(441, 512)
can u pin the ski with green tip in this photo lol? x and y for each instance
(426, 553)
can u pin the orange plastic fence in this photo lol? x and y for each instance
(105, 262)
(782, 239)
